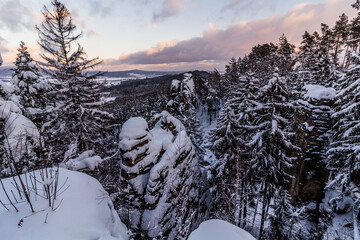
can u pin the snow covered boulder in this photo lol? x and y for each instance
(160, 175)
(343, 203)
(218, 229)
(318, 92)
(83, 211)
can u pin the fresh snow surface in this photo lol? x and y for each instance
(19, 130)
(84, 212)
(319, 92)
(134, 128)
(83, 161)
(219, 230)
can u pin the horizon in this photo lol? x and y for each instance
(170, 35)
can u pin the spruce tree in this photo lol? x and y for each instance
(227, 170)
(341, 32)
(77, 122)
(29, 85)
(271, 146)
(344, 154)
(284, 218)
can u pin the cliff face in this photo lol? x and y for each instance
(313, 129)
(160, 178)
(313, 125)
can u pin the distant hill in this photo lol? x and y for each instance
(138, 74)
(5, 72)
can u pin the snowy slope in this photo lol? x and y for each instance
(219, 230)
(85, 213)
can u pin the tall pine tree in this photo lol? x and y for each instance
(77, 122)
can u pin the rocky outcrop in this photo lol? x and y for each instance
(160, 179)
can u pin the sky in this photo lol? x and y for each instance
(170, 34)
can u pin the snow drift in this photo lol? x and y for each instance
(218, 229)
(84, 211)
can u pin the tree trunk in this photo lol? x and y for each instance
(263, 211)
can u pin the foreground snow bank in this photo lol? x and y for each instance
(218, 229)
(84, 212)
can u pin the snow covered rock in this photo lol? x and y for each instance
(84, 211)
(342, 204)
(83, 161)
(218, 229)
(160, 177)
(318, 92)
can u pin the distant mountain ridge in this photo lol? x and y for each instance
(6, 71)
(137, 72)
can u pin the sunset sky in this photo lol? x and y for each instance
(170, 34)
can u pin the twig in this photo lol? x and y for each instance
(58, 205)
(2, 184)
(14, 196)
(4, 205)
(46, 217)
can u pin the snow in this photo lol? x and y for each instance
(84, 160)
(8, 107)
(218, 229)
(319, 92)
(175, 84)
(189, 81)
(157, 174)
(19, 130)
(84, 212)
(135, 127)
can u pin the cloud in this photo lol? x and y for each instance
(103, 8)
(15, 16)
(236, 6)
(217, 45)
(91, 33)
(168, 9)
(3, 46)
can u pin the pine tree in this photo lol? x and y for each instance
(341, 32)
(285, 53)
(232, 71)
(344, 153)
(271, 147)
(77, 122)
(284, 217)
(227, 170)
(356, 5)
(30, 86)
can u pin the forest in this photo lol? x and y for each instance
(270, 145)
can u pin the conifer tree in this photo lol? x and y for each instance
(227, 169)
(30, 86)
(344, 154)
(284, 218)
(271, 147)
(77, 122)
(285, 53)
(341, 32)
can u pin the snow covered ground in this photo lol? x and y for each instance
(83, 212)
(219, 230)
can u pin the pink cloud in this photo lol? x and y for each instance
(217, 46)
(169, 8)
